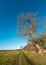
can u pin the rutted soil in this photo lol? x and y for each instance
(18, 60)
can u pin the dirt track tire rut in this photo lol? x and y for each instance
(18, 61)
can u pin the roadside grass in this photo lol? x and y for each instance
(38, 59)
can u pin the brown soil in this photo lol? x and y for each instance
(18, 61)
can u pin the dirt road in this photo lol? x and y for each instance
(18, 60)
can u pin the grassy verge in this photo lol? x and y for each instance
(38, 59)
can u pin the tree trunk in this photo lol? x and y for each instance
(38, 48)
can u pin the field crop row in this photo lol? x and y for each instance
(8, 58)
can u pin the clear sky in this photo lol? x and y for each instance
(9, 10)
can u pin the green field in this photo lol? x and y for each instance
(14, 58)
(8, 57)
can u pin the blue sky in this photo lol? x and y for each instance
(9, 10)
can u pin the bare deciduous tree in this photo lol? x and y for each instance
(28, 25)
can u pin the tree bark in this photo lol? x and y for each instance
(38, 48)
